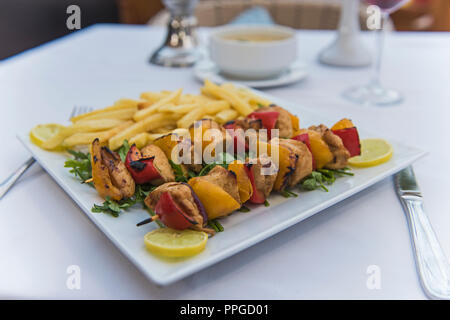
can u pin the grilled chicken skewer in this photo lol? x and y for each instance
(221, 191)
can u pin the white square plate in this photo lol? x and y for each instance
(242, 230)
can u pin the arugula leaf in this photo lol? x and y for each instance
(320, 177)
(111, 207)
(114, 208)
(226, 158)
(123, 150)
(178, 171)
(80, 165)
(244, 209)
(215, 224)
(288, 194)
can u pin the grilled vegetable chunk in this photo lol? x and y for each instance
(262, 184)
(319, 148)
(218, 191)
(177, 206)
(160, 162)
(337, 148)
(284, 121)
(349, 136)
(244, 184)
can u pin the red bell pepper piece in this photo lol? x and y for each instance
(304, 137)
(141, 169)
(237, 139)
(171, 215)
(350, 138)
(257, 195)
(268, 119)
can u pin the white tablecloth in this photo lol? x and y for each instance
(42, 231)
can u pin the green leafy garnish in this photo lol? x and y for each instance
(288, 194)
(80, 165)
(320, 177)
(244, 209)
(178, 171)
(123, 150)
(266, 203)
(215, 224)
(226, 158)
(114, 208)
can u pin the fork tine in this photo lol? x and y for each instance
(78, 110)
(72, 114)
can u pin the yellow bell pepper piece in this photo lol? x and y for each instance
(343, 124)
(244, 184)
(217, 202)
(319, 149)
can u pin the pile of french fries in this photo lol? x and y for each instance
(156, 114)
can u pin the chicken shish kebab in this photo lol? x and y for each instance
(187, 196)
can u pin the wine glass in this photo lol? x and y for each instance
(180, 47)
(373, 93)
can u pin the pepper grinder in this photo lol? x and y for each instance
(348, 49)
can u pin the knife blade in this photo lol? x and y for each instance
(432, 265)
(405, 182)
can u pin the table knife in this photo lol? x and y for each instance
(432, 265)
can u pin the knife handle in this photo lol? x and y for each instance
(431, 262)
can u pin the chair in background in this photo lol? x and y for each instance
(419, 15)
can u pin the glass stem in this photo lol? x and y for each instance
(379, 44)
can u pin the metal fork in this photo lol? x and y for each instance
(11, 180)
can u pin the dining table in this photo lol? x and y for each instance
(359, 248)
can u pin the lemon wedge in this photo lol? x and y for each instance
(373, 152)
(43, 132)
(175, 243)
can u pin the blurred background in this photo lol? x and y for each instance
(25, 24)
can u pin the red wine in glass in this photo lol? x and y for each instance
(388, 6)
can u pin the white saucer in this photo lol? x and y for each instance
(206, 69)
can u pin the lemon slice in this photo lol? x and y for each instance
(175, 243)
(43, 132)
(373, 152)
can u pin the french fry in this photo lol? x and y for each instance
(226, 115)
(148, 124)
(216, 106)
(210, 108)
(80, 126)
(165, 129)
(190, 117)
(153, 97)
(119, 104)
(236, 102)
(144, 113)
(182, 109)
(120, 114)
(140, 140)
(253, 98)
(154, 136)
(83, 138)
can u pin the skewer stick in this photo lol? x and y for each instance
(88, 180)
(153, 218)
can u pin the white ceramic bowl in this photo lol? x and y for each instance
(250, 59)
